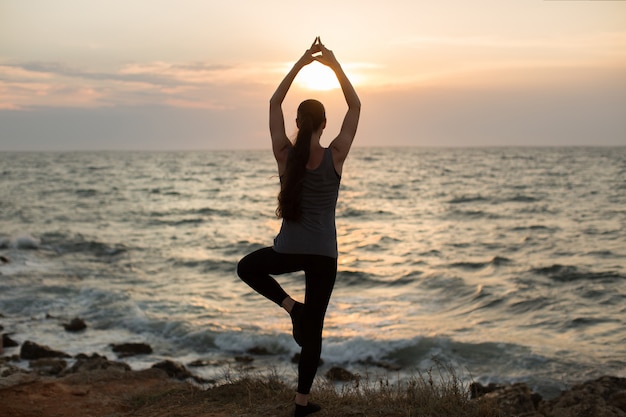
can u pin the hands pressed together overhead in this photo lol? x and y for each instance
(324, 55)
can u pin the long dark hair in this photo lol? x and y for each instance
(311, 115)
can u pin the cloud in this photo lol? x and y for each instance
(194, 73)
(197, 84)
(613, 41)
(587, 110)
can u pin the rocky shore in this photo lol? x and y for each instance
(57, 384)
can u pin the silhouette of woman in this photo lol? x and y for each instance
(307, 241)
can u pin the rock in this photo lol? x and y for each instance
(173, 369)
(603, 397)
(381, 364)
(6, 369)
(11, 358)
(198, 363)
(31, 350)
(48, 366)
(257, 350)
(85, 356)
(8, 342)
(16, 377)
(178, 371)
(515, 400)
(4, 259)
(337, 373)
(130, 349)
(296, 359)
(95, 362)
(244, 359)
(76, 325)
(477, 389)
(618, 400)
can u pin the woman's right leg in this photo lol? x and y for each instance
(320, 273)
(255, 269)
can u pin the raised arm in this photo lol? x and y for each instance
(342, 143)
(280, 142)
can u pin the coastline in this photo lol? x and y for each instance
(57, 384)
(506, 264)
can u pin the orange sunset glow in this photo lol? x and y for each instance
(542, 73)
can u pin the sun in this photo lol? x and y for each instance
(316, 76)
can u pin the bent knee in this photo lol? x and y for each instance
(243, 269)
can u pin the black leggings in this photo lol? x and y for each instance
(320, 273)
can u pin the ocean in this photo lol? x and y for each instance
(506, 264)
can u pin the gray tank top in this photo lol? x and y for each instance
(315, 233)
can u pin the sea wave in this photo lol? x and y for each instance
(24, 242)
(466, 199)
(496, 261)
(473, 215)
(65, 244)
(570, 273)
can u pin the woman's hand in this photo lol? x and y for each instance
(327, 57)
(309, 54)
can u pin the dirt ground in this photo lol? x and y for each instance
(111, 393)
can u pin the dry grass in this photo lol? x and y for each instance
(434, 393)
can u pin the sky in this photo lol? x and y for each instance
(198, 74)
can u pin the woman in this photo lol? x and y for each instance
(307, 241)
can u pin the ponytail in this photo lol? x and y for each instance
(311, 115)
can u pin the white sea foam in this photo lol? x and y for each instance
(26, 242)
(358, 349)
(243, 342)
(20, 241)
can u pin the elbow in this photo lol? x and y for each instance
(275, 102)
(275, 107)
